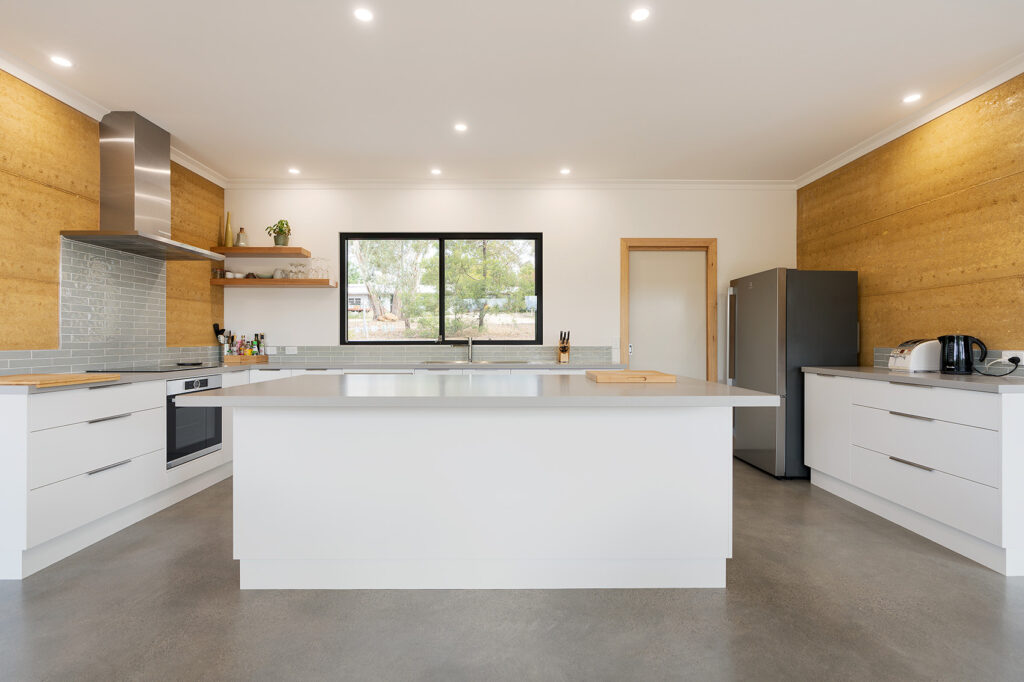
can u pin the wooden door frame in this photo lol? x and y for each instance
(710, 249)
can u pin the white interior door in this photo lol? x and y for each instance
(667, 312)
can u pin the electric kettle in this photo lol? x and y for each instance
(957, 353)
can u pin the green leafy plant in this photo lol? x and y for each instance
(281, 227)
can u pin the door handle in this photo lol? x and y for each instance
(107, 419)
(909, 463)
(910, 416)
(108, 467)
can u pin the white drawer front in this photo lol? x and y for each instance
(316, 372)
(952, 405)
(60, 408)
(61, 507)
(230, 379)
(965, 451)
(66, 451)
(965, 505)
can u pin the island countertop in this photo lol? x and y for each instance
(424, 390)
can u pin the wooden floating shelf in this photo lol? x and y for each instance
(276, 283)
(261, 251)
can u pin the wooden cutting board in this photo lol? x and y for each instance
(50, 380)
(626, 376)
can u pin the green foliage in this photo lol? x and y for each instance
(482, 276)
(485, 276)
(278, 228)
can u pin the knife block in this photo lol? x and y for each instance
(563, 354)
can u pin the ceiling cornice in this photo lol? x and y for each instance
(197, 167)
(997, 76)
(72, 98)
(257, 184)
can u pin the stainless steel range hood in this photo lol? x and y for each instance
(135, 192)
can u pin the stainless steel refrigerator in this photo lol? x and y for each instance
(779, 321)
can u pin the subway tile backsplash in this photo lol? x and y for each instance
(112, 314)
(581, 355)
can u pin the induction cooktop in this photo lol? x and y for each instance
(176, 367)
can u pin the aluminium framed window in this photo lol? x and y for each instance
(433, 287)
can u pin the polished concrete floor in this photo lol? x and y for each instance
(818, 589)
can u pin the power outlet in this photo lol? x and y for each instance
(291, 350)
(1007, 354)
(271, 350)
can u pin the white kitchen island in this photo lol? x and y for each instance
(476, 481)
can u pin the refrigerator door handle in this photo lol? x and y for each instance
(732, 335)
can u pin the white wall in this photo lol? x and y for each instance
(755, 228)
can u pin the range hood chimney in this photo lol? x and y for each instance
(135, 192)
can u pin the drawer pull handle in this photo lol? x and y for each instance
(905, 383)
(910, 416)
(109, 466)
(909, 463)
(107, 419)
(94, 388)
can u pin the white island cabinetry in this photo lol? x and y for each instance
(481, 481)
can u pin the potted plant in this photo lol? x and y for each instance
(280, 231)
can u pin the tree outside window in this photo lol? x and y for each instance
(488, 286)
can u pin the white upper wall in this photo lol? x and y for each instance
(755, 228)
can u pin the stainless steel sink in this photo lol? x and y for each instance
(500, 362)
(482, 362)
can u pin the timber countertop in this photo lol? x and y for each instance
(968, 382)
(478, 390)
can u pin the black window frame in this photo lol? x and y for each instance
(441, 237)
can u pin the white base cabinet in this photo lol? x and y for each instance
(83, 463)
(945, 463)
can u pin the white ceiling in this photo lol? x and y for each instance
(732, 90)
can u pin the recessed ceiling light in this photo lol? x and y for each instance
(565, 171)
(363, 14)
(912, 97)
(640, 14)
(461, 127)
(61, 61)
(294, 171)
(435, 171)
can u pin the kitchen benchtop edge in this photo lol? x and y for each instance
(974, 382)
(424, 390)
(188, 372)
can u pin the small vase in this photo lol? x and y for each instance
(228, 238)
(241, 239)
(280, 240)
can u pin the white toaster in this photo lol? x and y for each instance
(916, 355)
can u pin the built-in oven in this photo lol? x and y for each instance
(191, 431)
